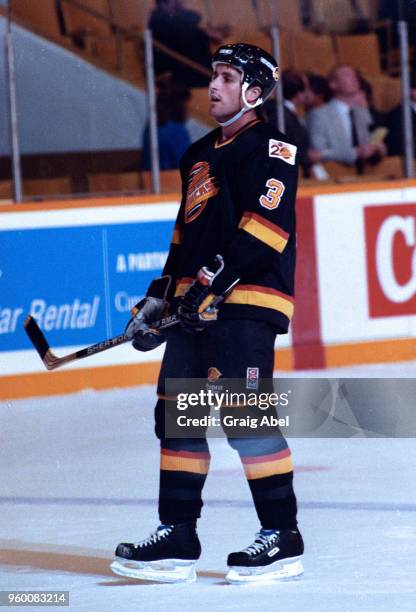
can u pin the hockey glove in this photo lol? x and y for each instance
(194, 311)
(148, 310)
(198, 307)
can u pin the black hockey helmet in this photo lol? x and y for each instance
(258, 67)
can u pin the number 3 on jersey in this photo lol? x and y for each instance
(274, 194)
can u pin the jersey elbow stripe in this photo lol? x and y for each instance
(264, 230)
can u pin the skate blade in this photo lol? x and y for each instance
(166, 570)
(284, 569)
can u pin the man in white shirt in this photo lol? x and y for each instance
(341, 129)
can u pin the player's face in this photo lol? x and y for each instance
(225, 92)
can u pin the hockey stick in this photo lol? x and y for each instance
(51, 361)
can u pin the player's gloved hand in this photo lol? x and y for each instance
(151, 308)
(196, 309)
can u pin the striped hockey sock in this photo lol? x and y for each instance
(270, 478)
(184, 467)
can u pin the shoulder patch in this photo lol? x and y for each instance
(282, 150)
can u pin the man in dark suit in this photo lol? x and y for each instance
(394, 140)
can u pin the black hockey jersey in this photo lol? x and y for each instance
(238, 200)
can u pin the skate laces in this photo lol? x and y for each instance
(264, 538)
(161, 532)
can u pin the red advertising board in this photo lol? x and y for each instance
(306, 326)
(390, 236)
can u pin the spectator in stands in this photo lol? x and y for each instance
(365, 99)
(394, 123)
(341, 129)
(173, 137)
(317, 91)
(294, 90)
(178, 28)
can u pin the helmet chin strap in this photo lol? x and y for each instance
(246, 107)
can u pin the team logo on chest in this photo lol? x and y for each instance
(201, 187)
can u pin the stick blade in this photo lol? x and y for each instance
(36, 337)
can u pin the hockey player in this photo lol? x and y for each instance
(239, 188)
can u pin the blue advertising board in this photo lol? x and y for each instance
(78, 282)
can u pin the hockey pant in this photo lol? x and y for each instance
(231, 347)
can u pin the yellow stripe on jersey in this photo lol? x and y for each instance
(266, 231)
(252, 295)
(255, 295)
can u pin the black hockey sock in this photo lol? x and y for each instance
(270, 478)
(184, 467)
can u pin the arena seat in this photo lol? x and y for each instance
(260, 39)
(104, 48)
(361, 51)
(170, 181)
(313, 182)
(6, 190)
(387, 92)
(338, 171)
(313, 52)
(113, 182)
(132, 14)
(127, 60)
(81, 23)
(42, 16)
(132, 60)
(288, 14)
(47, 186)
(240, 16)
(389, 168)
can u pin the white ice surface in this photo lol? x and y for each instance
(79, 473)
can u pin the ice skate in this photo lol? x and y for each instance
(167, 555)
(274, 555)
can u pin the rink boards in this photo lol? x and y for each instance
(79, 266)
